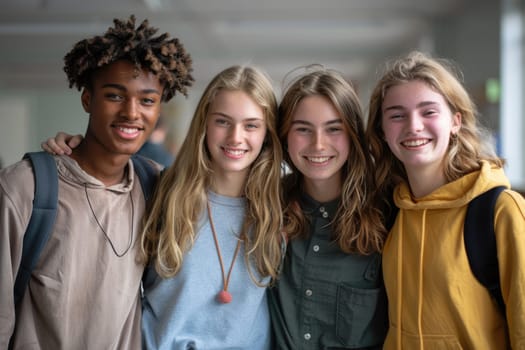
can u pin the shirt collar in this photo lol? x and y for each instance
(326, 210)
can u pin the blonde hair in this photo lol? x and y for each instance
(170, 227)
(358, 223)
(467, 148)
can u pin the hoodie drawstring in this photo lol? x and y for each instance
(399, 272)
(420, 284)
(399, 301)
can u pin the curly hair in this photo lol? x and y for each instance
(165, 57)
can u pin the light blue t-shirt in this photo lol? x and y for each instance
(183, 313)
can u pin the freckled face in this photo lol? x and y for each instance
(417, 123)
(235, 132)
(123, 106)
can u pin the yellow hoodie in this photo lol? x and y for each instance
(435, 302)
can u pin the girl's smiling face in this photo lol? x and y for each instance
(318, 143)
(235, 132)
(417, 123)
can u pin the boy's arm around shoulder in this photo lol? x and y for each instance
(16, 197)
(509, 221)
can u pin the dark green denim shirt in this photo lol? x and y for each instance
(324, 298)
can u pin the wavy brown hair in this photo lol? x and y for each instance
(163, 56)
(358, 224)
(170, 227)
(472, 142)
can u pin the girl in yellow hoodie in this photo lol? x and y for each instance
(430, 149)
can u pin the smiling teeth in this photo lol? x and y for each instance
(128, 130)
(415, 143)
(318, 159)
(235, 152)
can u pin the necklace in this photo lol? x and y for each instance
(104, 231)
(223, 296)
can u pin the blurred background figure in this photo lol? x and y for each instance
(155, 148)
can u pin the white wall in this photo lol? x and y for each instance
(28, 118)
(14, 121)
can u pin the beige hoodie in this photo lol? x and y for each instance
(81, 295)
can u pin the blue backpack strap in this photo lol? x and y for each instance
(42, 218)
(148, 179)
(480, 242)
(147, 174)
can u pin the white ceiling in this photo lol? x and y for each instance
(278, 35)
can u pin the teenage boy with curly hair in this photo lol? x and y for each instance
(84, 292)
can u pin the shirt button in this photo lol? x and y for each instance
(307, 336)
(315, 248)
(322, 209)
(325, 215)
(308, 292)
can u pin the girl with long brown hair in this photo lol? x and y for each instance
(329, 294)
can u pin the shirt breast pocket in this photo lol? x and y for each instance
(361, 318)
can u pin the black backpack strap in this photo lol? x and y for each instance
(480, 242)
(391, 216)
(42, 218)
(390, 212)
(147, 174)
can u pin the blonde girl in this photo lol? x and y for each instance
(213, 231)
(428, 146)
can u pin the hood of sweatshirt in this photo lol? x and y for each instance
(72, 173)
(454, 194)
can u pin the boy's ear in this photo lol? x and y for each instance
(86, 99)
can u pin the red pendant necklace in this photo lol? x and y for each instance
(223, 296)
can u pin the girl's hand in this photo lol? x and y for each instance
(61, 144)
